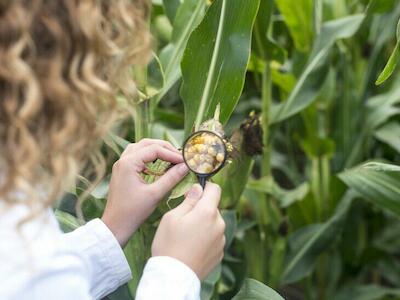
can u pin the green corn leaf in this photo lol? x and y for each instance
(67, 221)
(188, 16)
(390, 66)
(392, 62)
(389, 134)
(208, 284)
(381, 6)
(122, 293)
(231, 226)
(298, 16)
(264, 46)
(376, 182)
(137, 251)
(311, 80)
(285, 197)
(253, 289)
(215, 60)
(171, 8)
(382, 107)
(388, 239)
(309, 242)
(366, 292)
(233, 179)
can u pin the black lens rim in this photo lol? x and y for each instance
(225, 151)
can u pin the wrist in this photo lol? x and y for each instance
(121, 232)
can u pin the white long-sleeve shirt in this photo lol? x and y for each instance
(39, 262)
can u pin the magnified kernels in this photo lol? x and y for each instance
(204, 153)
(199, 148)
(192, 164)
(220, 157)
(206, 139)
(196, 158)
(209, 159)
(205, 168)
(211, 151)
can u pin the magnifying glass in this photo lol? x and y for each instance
(205, 153)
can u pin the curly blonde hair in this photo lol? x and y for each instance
(62, 62)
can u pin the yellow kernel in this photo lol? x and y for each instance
(190, 149)
(220, 157)
(198, 140)
(208, 140)
(209, 158)
(196, 158)
(199, 148)
(192, 164)
(205, 168)
(212, 151)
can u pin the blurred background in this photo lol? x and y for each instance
(309, 99)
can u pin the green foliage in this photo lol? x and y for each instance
(298, 16)
(378, 183)
(67, 221)
(221, 47)
(366, 292)
(186, 18)
(309, 217)
(253, 289)
(393, 60)
(308, 242)
(311, 80)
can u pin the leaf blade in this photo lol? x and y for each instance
(218, 75)
(377, 183)
(308, 86)
(253, 289)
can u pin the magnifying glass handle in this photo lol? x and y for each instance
(202, 181)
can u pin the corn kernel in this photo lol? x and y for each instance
(211, 151)
(205, 168)
(190, 149)
(192, 164)
(220, 157)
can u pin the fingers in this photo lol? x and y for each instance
(211, 197)
(134, 147)
(192, 197)
(137, 161)
(155, 151)
(167, 181)
(165, 144)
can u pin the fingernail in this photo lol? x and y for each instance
(195, 192)
(183, 169)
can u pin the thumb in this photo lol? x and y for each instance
(190, 201)
(166, 182)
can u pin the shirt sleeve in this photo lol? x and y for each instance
(106, 261)
(169, 279)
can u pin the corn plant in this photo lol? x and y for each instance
(309, 94)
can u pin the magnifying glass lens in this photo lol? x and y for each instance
(204, 152)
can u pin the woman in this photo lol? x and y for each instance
(62, 62)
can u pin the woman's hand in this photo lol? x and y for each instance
(194, 231)
(131, 200)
